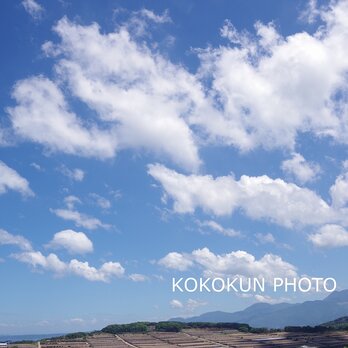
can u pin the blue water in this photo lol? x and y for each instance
(13, 338)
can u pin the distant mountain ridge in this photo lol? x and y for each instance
(283, 314)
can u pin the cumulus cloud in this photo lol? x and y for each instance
(73, 242)
(105, 273)
(300, 169)
(37, 259)
(235, 263)
(213, 225)
(11, 180)
(143, 94)
(259, 197)
(176, 261)
(339, 191)
(43, 116)
(33, 8)
(144, 101)
(330, 236)
(7, 238)
(256, 76)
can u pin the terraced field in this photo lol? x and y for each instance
(197, 338)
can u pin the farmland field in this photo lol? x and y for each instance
(202, 338)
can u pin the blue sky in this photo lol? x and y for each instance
(142, 140)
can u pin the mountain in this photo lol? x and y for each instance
(283, 314)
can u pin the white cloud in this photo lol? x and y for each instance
(36, 166)
(176, 261)
(268, 238)
(190, 305)
(102, 202)
(213, 225)
(143, 101)
(70, 201)
(259, 197)
(80, 219)
(255, 77)
(140, 23)
(37, 259)
(74, 174)
(143, 94)
(164, 18)
(43, 116)
(7, 238)
(330, 236)
(136, 277)
(33, 8)
(176, 304)
(339, 191)
(73, 242)
(299, 168)
(265, 238)
(235, 263)
(11, 180)
(105, 273)
(311, 12)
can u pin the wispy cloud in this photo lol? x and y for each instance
(80, 219)
(214, 226)
(75, 174)
(33, 8)
(189, 306)
(7, 238)
(11, 180)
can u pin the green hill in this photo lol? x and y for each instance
(337, 324)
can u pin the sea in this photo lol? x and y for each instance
(15, 338)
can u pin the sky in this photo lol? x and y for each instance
(146, 140)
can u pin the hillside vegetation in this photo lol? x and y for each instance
(173, 326)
